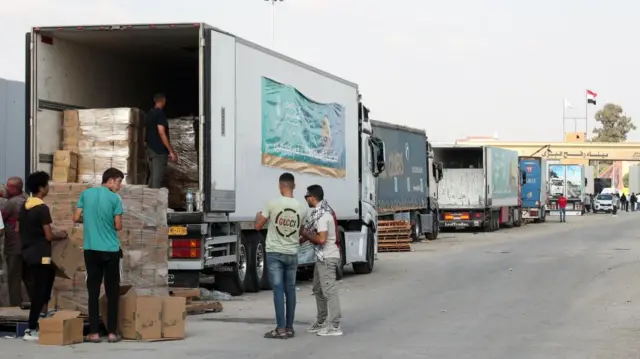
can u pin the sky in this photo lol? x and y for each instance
(455, 68)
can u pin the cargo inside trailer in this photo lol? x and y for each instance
(459, 157)
(91, 69)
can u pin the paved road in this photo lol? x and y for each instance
(542, 291)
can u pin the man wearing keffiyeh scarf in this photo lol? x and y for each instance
(321, 230)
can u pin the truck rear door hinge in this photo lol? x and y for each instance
(202, 43)
(202, 120)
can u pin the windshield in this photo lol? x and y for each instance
(604, 197)
(557, 182)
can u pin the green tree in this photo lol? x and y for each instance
(615, 124)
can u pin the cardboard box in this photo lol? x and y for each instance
(63, 328)
(64, 175)
(139, 316)
(174, 316)
(68, 258)
(68, 159)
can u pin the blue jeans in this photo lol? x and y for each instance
(563, 214)
(282, 275)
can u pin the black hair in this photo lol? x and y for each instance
(36, 181)
(316, 191)
(111, 173)
(287, 179)
(159, 97)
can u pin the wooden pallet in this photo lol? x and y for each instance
(393, 247)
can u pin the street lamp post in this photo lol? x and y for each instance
(273, 21)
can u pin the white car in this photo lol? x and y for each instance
(603, 203)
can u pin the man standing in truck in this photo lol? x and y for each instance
(159, 150)
(285, 215)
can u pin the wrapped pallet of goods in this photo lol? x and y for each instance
(182, 176)
(106, 138)
(144, 241)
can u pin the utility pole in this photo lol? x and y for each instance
(273, 21)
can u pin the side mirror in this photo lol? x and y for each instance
(379, 156)
(585, 182)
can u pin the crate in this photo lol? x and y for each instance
(394, 236)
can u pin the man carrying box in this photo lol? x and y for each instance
(100, 209)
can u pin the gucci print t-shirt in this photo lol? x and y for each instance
(285, 215)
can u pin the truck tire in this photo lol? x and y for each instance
(416, 229)
(517, 222)
(435, 229)
(366, 267)
(496, 224)
(236, 281)
(255, 261)
(488, 224)
(265, 283)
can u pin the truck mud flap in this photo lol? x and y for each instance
(185, 218)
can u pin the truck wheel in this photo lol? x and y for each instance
(544, 216)
(435, 229)
(366, 267)
(238, 279)
(265, 284)
(489, 224)
(496, 224)
(416, 229)
(255, 259)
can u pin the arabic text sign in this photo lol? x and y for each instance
(619, 155)
(300, 134)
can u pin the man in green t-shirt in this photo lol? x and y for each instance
(285, 216)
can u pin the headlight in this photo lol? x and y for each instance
(537, 203)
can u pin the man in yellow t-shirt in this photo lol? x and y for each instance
(285, 216)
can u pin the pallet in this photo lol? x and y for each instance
(394, 247)
(202, 307)
(395, 241)
(382, 224)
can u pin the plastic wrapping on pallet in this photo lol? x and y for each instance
(144, 241)
(106, 138)
(182, 175)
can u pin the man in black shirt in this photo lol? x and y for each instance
(36, 234)
(159, 150)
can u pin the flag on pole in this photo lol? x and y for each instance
(567, 104)
(591, 97)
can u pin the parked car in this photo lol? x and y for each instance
(603, 203)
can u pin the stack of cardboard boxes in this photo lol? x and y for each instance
(182, 175)
(144, 241)
(65, 166)
(105, 138)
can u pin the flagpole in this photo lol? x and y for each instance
(564, 119)
(586, 116)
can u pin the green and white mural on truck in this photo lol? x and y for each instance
(504, 173)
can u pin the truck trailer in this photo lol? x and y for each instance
(479, 187)
(534, 190)
(403, 190)
(259, 114)
(568, 181)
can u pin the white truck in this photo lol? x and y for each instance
(260, 114)
(480, 187)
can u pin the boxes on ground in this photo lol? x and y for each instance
(145, 317)
(63, 328)
(65, 166)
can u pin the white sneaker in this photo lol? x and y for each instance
(30, 335)
(330, 331)
(315, 327)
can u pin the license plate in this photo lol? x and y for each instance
(177, 231)
(455, 224)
